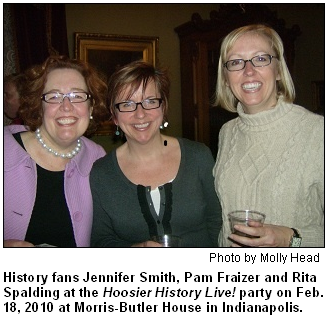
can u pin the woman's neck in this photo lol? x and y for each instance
(151, 149)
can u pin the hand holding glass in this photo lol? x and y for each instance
(244, 217)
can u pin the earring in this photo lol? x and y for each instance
(117, 132)
(164, 125)
(91, 117)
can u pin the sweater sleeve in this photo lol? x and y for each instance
(313, 233)
(102, 233)
(213, 212)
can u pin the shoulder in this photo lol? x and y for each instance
(91, 145)
(307, 113)
(12, 129)
(310, 123)
(194, 149)
(104, 162)
(14, 154)
(104, 169)
(193, 145)
(91, 150)
(227, 126)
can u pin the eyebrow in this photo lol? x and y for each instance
(259, 53)
(71, 90)
(145, 98)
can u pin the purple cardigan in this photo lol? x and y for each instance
(20, 179)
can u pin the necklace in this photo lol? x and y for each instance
(68, 155)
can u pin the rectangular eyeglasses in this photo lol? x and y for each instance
(130, 106)
(58, 97)
(257, 61)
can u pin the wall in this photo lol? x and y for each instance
(309, 46)
(142, 20)
(161, 19)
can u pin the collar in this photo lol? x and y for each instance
(265, 118)
(15, 154)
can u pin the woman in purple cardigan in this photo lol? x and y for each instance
(47, 198)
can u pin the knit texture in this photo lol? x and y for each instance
(273, 162)
(194, 214)
(20, 185)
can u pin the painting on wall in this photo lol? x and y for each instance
(108, 52)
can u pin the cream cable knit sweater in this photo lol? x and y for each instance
(273, 162)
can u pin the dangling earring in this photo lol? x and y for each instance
(164, 125)
(91, 117)
(117, 132)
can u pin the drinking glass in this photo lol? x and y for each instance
(244, 217)
(168, 240)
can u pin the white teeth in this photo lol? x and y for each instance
(251, 86)
(141, 126)
(66, 121)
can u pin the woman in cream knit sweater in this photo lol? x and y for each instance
(271, 157)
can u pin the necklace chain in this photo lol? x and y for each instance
(68, 155)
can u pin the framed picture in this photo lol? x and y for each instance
(107, 52)
(318, 97)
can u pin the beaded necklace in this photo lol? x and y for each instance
(68, 155)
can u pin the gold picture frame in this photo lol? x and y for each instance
(107, 52)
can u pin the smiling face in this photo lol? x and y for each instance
(140, 125)
(254, 87)
(63, 123)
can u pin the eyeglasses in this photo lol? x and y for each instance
(73, 97)
(130, 106)
(257, 61)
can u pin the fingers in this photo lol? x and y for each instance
(251, 232)
(17, 243)
(246, 236)
(152, 244)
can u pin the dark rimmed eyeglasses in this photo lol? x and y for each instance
(58, 97)
(130, 106)
(262, 60)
